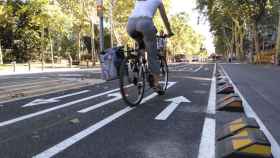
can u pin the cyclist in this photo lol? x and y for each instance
(142, 29)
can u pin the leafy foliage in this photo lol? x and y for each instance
(239, 26)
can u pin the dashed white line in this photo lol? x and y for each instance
(198, 69)
(211, 109)
(207, 144)
(251, 113)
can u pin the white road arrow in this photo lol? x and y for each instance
(171, 107)
(51, 100)
(117, 96)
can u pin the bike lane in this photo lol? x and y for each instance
(134, 134)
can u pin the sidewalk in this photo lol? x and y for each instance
(23, 70)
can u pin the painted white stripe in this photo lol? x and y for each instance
(175, 102)
(91, 108)
(170, 84)
(15, 120)
(211, 109)
(167, 111)
(90, 130)
(251, 113)
(198, 69)
(81, 135)
(72, 94)
(207, 145)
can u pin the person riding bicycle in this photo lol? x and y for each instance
(142, 29)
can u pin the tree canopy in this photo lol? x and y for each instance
(241, 26)
(41, 29)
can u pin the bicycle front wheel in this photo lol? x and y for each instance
(132, 82)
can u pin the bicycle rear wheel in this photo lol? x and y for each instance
(132, 82)
(163, 73)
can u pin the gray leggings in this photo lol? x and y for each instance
(143, 31)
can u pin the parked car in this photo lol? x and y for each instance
(180, 58)
(195, 59)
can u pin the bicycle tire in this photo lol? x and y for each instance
(124, 72)
(165, 72)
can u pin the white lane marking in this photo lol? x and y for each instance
(170, 84)
(198, 69)
(211, 108)
(117, 96)
(70, 75)
(251, 113)
(207, 145)
(28, 116)
(171, 107)
(52, 100)
(81, 135)
(90, 130)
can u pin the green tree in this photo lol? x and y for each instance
(186, 40)
(232, 19)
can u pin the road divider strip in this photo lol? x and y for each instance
(248, 143)
(232, 104)
(237, 126)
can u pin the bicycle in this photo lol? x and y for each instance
(161, 45)
(134, 73)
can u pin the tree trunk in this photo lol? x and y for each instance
(277, 55)
(70, 60)
(79, 46)
(241, 42)
(112, 4)
(42, 49)
(51, 42)
(236, 37)
(93, 50)
(1, 55)
(256, 38)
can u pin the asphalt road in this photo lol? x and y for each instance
(260, 86)
(62, 125)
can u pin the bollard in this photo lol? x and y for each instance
(14, 66)
(29, 66)
(43, 66)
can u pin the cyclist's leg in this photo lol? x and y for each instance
(134, 33)
(146, 26)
